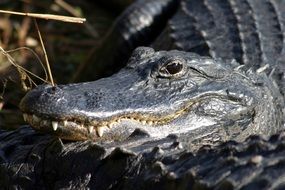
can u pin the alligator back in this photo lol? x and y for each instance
(36, 161)
(250, 31)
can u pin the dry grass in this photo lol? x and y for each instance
(24, 73)
(47, 16)
(66, 45)
(45, 53)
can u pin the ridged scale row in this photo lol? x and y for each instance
(251, 31)
(257, 163)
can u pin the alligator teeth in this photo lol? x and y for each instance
(110, 125)
(114, 123)
(101, 130)
(90, 129)
(37, 121)
(25, 116)
(149, 122)
(54, 125)
(45, 122)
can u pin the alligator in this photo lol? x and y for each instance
(208, 115)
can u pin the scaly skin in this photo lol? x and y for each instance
(162, 93)
(197, 100)
(29, 160)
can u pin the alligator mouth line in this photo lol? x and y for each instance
(99, 128)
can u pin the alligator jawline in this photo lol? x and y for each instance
(98, 129)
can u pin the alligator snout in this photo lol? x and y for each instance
(44, 100)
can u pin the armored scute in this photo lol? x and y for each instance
(201, 107)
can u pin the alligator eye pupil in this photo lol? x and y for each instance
(174, 68)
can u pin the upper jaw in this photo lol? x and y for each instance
(73, 128)
(80, 129)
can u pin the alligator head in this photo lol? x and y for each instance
(161, 92)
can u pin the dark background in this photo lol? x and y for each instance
(69, 46)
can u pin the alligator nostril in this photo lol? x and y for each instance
(53, 90)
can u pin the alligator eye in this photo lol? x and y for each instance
(171, 69)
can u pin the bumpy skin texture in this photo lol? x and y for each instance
(44, 162)
(252, 32)
(206, 93)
